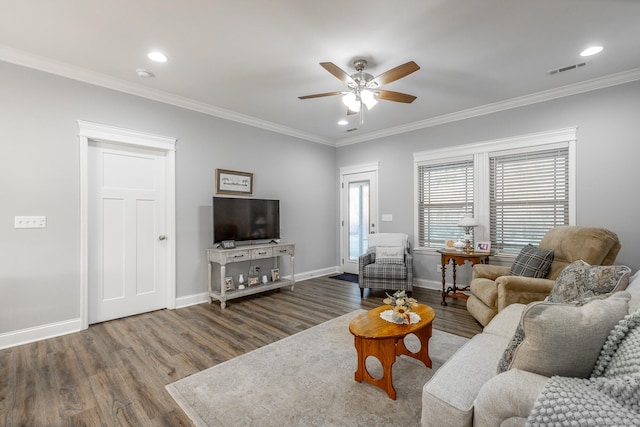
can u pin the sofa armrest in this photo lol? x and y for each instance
(523, 290)
(363, 261)
(510, 395)
(488, 271)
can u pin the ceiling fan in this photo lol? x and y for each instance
(363, 88)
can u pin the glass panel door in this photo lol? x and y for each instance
(359, 216)
(358, 219)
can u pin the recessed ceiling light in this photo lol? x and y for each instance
(157, 56)
(343, 122)
(145, 74)
(592, 50)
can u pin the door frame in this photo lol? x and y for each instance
(350, 170)
(88, 132)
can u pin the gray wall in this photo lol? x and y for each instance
(608, 150)
(39, 175)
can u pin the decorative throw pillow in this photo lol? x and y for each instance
(634, 290)
(532, 262)
(389, 255)
(580, 281)
(620, 354)
(563, 339)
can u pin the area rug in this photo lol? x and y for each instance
(307, 380)
(346, 277)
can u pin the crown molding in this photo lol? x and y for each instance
(29, 60)
(534, 98)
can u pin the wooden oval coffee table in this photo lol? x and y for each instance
(383, 340)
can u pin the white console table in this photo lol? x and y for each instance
(222, 257)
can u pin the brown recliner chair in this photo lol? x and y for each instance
(492, 288)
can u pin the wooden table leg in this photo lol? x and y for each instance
(444, 283)
(385, 351)
(424, 335)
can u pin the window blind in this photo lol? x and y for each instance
(445, 195)
(529, 194)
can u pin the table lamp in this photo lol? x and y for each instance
(468, 222)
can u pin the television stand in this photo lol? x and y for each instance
(222, 257)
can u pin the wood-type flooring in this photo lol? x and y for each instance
(114, 373)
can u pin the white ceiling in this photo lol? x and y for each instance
(249, 60)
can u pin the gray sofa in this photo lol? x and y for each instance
(468, 390)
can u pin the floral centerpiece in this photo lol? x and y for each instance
(401, 306)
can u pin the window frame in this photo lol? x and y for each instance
(481, 152)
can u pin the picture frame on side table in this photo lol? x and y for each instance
(254, 280)
(234, 182)
(228, 284)
(275, 274)
(483, 247)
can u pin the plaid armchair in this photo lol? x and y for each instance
(393, 268)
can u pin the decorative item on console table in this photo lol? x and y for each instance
(254, 280)
(275, 274)
(457, 259)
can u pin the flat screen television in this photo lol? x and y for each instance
(245, 219)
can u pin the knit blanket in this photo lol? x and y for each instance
(610, 397)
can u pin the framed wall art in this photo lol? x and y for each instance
(234, 182)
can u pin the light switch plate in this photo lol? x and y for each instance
(387, 217)
(30, 222)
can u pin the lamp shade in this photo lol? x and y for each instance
(468, 221)
(368, 99)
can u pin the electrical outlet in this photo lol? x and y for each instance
(30, 222)
(439, 268)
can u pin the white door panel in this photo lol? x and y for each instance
(126, 218)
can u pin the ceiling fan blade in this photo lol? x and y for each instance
(394, 74)
(319, 95)
(350, 112)
(389, 95)
(337, 71)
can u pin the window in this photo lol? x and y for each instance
(518, 188)
(528, 195)
(445, 195)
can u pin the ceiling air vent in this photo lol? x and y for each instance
(567, 68)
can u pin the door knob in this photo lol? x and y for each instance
(162, 237)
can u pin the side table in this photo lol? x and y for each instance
(458, 258)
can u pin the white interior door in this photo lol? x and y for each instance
(359, 217)
(126, 231)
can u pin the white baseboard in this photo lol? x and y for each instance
(316, 273)
(428, 284)
(194, 299)
(37, 333)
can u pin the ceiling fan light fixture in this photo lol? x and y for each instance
(368, 98)
(352, 102)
